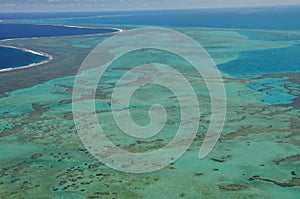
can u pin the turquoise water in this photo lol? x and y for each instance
(255, 63)
(276, 90)
(258, 62)
(269, 36)
(257, 155)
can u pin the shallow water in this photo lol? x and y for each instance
(277, 90)
(257, 155)
(270, 61)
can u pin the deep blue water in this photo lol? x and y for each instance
(9, 31)
(251, 62)
(11, 57)
(279, 18)
(50, 15)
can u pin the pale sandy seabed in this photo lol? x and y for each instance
(257, 156)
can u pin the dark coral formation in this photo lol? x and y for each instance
(294, 158)
(232, 187)
(291, 183)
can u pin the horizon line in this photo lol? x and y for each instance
(163, 9)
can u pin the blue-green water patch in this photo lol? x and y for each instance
(276, 90)
(269, 36)
(258, 62)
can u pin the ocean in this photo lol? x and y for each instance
(259, 62)
(275, 18)
(257, 155)
(12, 58)
(9, 31)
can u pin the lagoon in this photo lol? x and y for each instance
(12, 58)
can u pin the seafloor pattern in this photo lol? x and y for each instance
(258, 155)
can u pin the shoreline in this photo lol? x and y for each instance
(84, 27)
(49, 57)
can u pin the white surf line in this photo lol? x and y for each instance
(29, 51)
(85, 27)
(42, 53)
(90, 27)
(75, 26)
(119, 30)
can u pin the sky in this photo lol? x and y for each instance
(104, 5)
